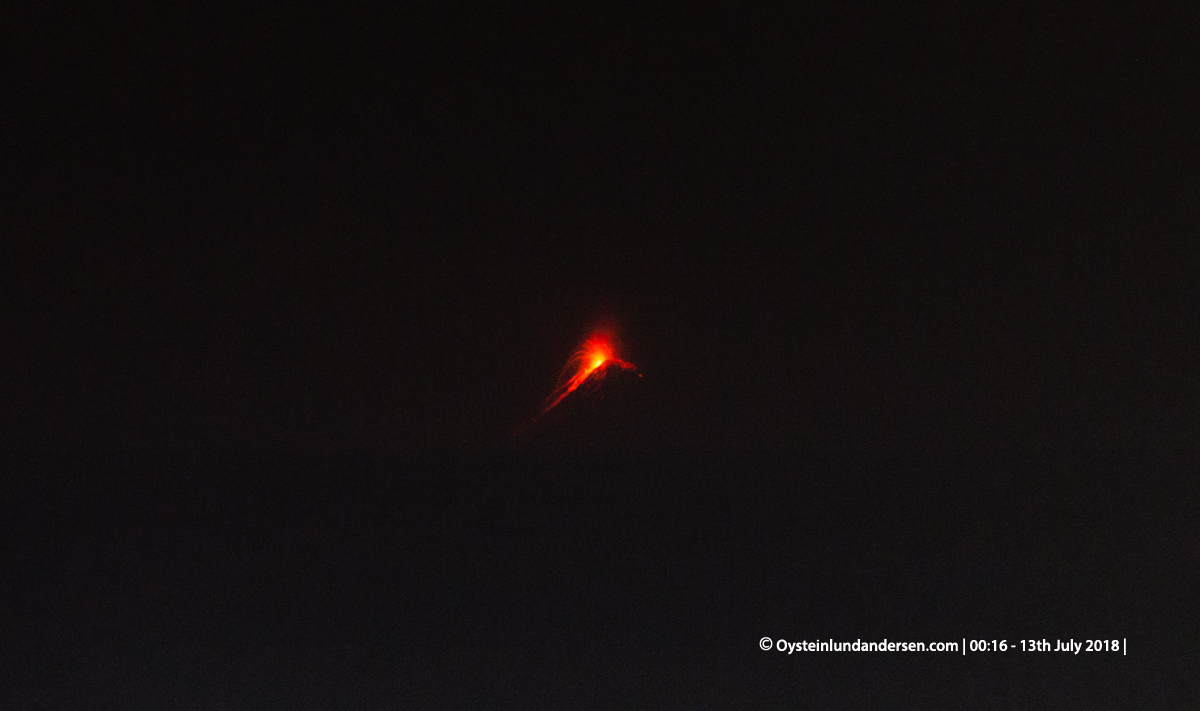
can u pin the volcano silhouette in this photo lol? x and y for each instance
(605, 411)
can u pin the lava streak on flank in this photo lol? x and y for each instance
(596, 353)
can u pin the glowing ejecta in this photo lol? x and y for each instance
(595, 353)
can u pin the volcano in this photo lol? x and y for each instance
(604, 411)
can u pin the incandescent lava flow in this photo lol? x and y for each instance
(593, 358)
(592, 403)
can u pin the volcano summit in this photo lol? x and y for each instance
(602, 410)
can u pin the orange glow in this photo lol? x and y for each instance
(596, 351)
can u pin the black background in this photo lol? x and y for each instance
(911, 293)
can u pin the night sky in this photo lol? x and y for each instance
(389, 230)
(953, 237)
